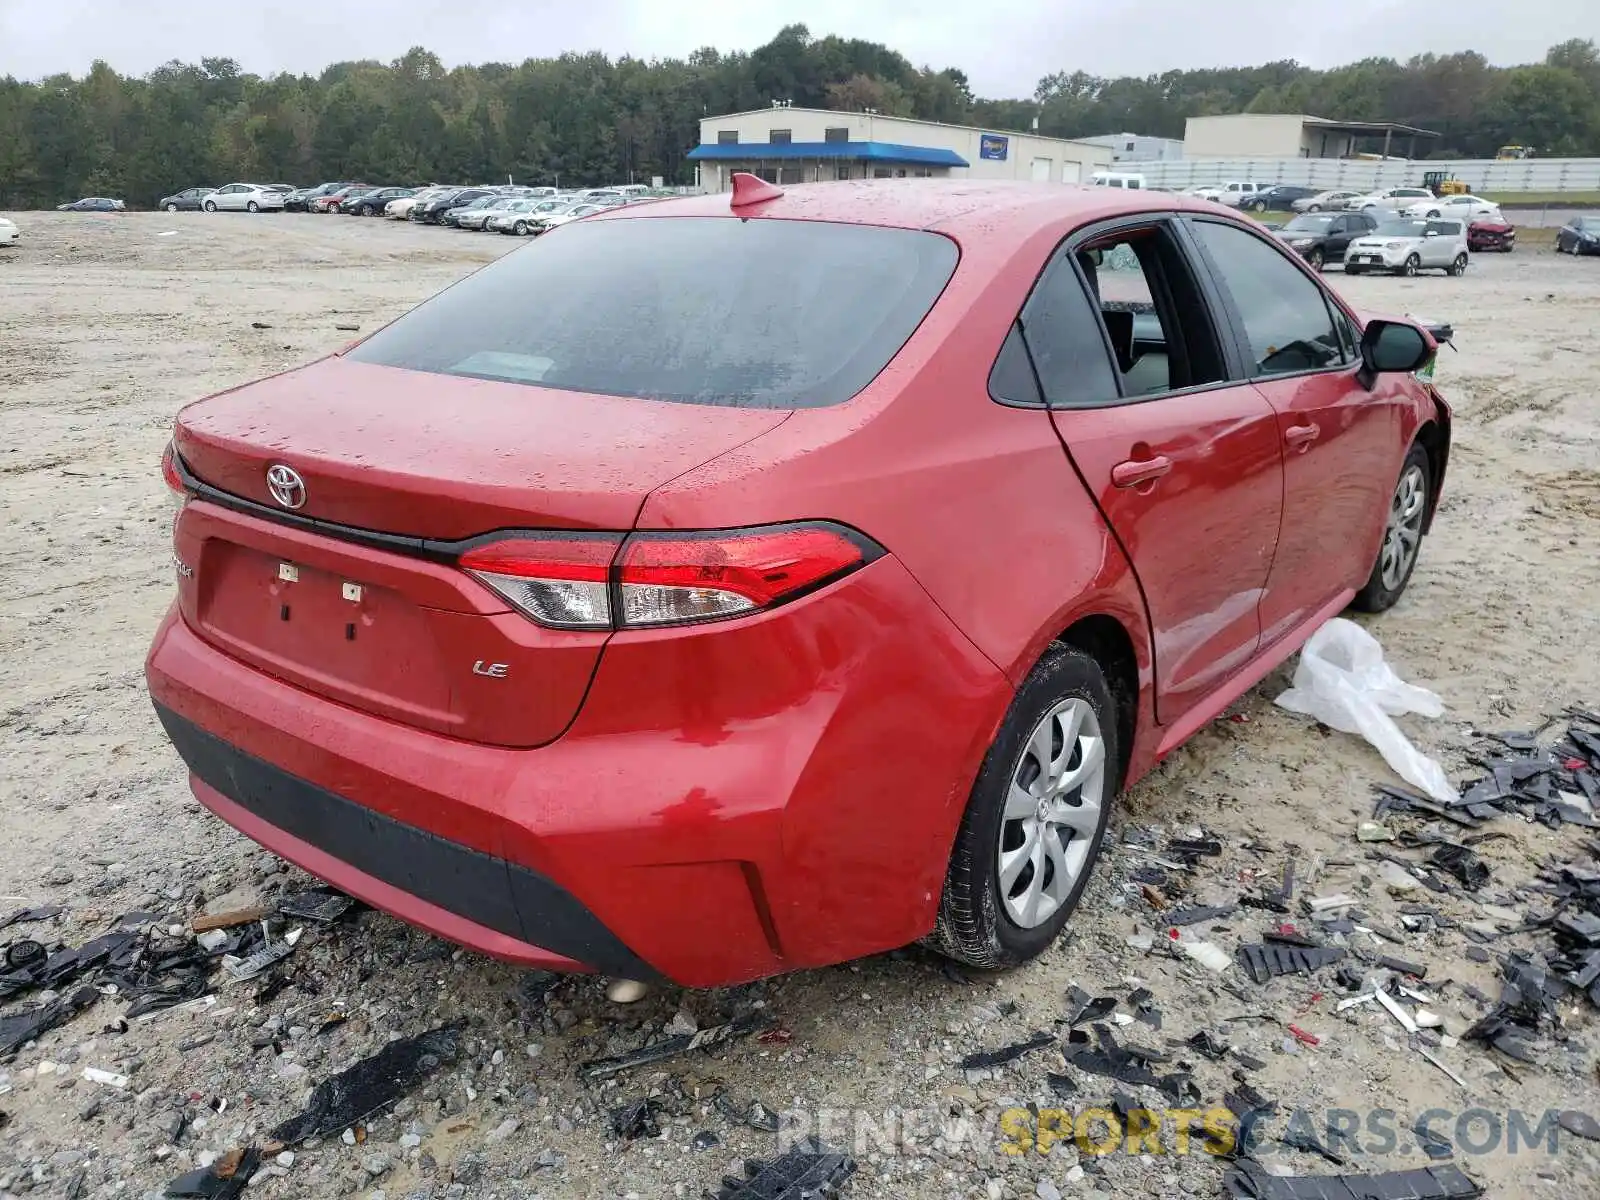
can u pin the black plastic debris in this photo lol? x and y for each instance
(1299, 1136)
(1061, 1086)
(41, 913)
(1127, 1064)
(372, 1084)
(1089, 1009)
(1579, 1124)
(807, 1171)
(1249, 1180)
(1404, 967)
(1461, 862)
(1266, 960)
(25, 954)
(704, 1039)
(1434, 1144)
(706, 1139)
(223, 1180)
(1208, 1044)
(19, 1028)
(984, 1060)
(636, 1120)
(1142, 1001)
(69, 964)
(323, 905)
(1193, 916)
(1193, 848)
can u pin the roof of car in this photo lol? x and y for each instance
(953, 207)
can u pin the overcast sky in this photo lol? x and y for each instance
(1003, 45)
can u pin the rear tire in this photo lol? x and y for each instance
(1402, 535)
(1064, 712)
(210, 206)
(252, 207)
(1459, 267)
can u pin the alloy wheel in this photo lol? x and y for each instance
(1403, 533)
(172, 208)
(1052, 812)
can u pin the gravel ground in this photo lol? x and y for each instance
(107, 326)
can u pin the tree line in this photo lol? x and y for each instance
(585, 119)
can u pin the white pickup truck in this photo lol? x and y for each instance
(1233, 193)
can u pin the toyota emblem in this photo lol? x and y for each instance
(286, 486)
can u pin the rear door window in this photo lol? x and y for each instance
(697, 310)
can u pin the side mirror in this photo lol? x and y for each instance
(1389, 347)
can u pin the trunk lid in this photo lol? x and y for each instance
(399, 632)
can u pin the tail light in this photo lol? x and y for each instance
(649, 580)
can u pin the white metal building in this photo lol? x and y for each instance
(808, 145)
(1136, 147)
(1285, 135)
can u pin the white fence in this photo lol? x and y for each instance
(1480, 175)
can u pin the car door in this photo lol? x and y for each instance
(1341, 441)
(1181, 458)
(1438, 246)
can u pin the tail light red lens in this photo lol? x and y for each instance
(169, 471)
(658, 579)
(562, 582)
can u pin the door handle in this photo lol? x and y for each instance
(1301, 436)
(1140, 470)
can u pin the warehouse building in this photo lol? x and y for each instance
(810, 145)
(1136, 147)
(1283, 135)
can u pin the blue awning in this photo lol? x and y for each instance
(886, 152)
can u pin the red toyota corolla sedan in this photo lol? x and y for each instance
(806, 582)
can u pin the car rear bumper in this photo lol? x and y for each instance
(729, 803)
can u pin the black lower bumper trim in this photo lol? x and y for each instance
(488, 891)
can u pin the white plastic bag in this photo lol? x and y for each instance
(1343, 682)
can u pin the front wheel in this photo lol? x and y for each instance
(1315, 259)
(1258, 206)
(1036, 817)
(1402, 535)
(520, 229)
(1411, 264)
(1314, 208)
(172, 208)
(1459, 266)
(1433, 212)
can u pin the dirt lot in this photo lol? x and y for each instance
(107, 326)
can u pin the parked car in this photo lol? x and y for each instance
(330, 201)
(424, 584)
(1394, 199)
(300, 199)
(375, 202)
(283, 189)
(1278, 198)
(1581, 235)
(93, 204)
(1323, 201)
(1467, 208)
(188, 200)
(1491, 233)
(1237, 193)
(544, 222)
(431, 212)
(519, 219)
(1323, 237)
(476, 217)
(244, 197)
(10, 235)
(1406, 245)
(453, 214)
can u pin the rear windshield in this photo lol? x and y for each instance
(698, 310)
